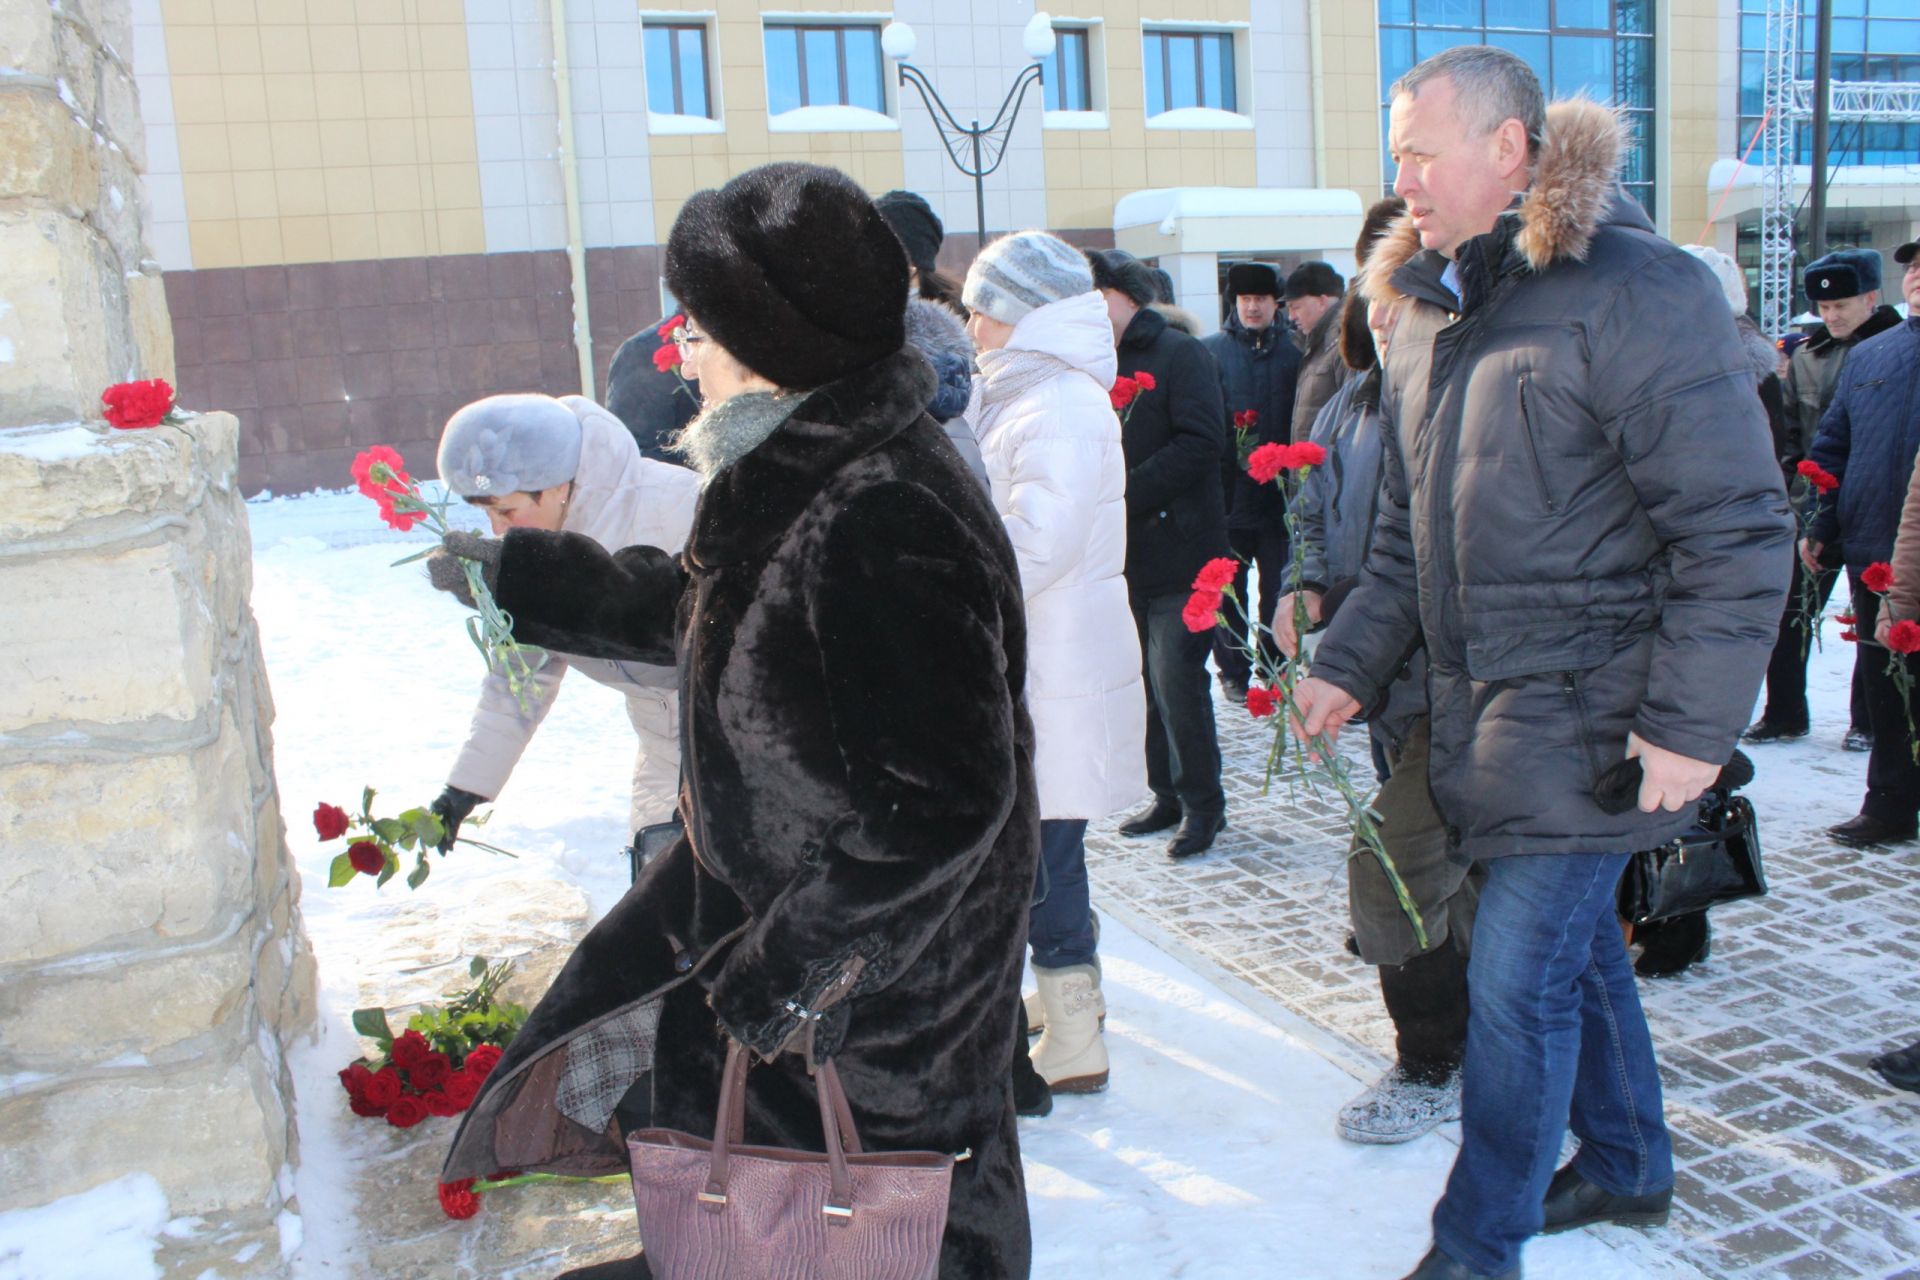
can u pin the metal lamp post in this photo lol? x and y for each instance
(975, 149)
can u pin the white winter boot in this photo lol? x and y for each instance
(1071, 1055)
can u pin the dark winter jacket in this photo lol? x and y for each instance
(1173, 437)
(858, 786)
(653, 404)
(1322, 372)
(1258, 371)
(1339, 499)
(1813, 373)
(1582, 514)
(1869, 437)
(937, 333)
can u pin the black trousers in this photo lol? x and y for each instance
(1893, 779)
(1183, 755)
(1787, 670)
(1266, 550)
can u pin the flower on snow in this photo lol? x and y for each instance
(458, 1200)
(132, 405)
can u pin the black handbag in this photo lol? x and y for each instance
(1718, 861)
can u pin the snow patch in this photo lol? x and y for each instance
(110, 1231)
(658, 123)
(1074, 120)
(1199, 118)
(52, 444)
(831, 119)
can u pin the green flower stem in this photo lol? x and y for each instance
(484, 847)
(530, 1179)
(1806, 612)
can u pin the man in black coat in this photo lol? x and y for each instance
(1583, 518)
(1258, 372)
(1173, 436)
(653, 402)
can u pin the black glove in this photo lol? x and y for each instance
(446, 572)
(452, 809)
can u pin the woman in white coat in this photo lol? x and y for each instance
(1051, 445)
(538, 462)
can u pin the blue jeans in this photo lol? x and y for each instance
(1555, 1039)
(1060, 926)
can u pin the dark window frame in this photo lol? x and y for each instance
(842, 87)
(1080, 36)
(674, 31)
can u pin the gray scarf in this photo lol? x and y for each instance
(722, 434)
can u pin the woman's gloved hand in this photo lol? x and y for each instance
(452, 809)
(447, 573)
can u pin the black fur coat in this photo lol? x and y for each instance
(848, 624)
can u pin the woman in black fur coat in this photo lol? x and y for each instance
(858, 782)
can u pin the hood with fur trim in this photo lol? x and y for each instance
(1575, 182)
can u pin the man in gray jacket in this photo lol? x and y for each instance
(1583, 519)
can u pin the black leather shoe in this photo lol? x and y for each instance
(1573, 1202)
(1857, 740)
(1161, 815)
(1865, 831)
(1901, 1068)
(1438, 1266)
(1673, 946)
(1236, 690)
(1761, 731)
(1196, 834)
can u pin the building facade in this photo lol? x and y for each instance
(372, 211)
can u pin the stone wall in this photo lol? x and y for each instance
(152, 967)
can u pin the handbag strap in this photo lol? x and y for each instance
(729, 1125)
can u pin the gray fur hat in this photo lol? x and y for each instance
(509, 444)
(1023, 272)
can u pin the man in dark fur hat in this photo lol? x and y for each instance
(862, 830)
(1314, 290)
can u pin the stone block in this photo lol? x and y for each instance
(118, 115)
(123, 852)
(116, 215)
(79, 76)
(67, 322)
(29, 39)
(45, 153)
(126, 477)
(152, 325)
(108, 639)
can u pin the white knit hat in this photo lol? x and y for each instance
(1023, 272)
(509, 444)
(1733, 282)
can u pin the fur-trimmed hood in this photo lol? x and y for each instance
(1762, 356)
(1575, 185)
(1178, 318)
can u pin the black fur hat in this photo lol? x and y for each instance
(1119, 270)
(792, 269)
(1316, 279)
(1256, 278)
(917, 225)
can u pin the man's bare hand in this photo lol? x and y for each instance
(1284, 633)
(1324, 708)
(1668, 780)
(1810, 555)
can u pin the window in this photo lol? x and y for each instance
(1190, 69)
(1603, 48)
(677, 70)
(1879, 40)
(823, 66)
(1067, 71)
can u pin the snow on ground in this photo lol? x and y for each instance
(107, 1233)
(1212, 1154)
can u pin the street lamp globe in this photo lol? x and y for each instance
(897, 41)
(1038, 38)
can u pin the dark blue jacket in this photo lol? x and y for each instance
(1258, 371)
(1868, 437)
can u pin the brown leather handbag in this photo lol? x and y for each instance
(722, 1210)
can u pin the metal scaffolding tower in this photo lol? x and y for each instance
(1789, 102)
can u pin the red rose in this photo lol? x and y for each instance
(481, 1060)
(1123, 392)
(458, 1200)
(330, 820)
(1216, 574)
(381, 471)
(1851, 637)
(1144, 380)
(1904, 637)
(1877, 577)
(1268, 461)
(666, 357)
(1818, 476)
(430, 1072)
(1201, 610)
(131, 405)
(1305, 454)
(410, 1049)
(354, 1077)
(383, 1087)
(463, 1087)
(442, 1104)
(1260, 702)
(408, 1110)
(366, 857)
(362, 1107)
(1246, 419)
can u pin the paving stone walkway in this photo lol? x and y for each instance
(1795, 1160)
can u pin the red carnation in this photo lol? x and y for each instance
(366, 858)
(382, 1088)
(131, 405)
(481, 1060)
(458, 1199)
(669, 326)
(1217, 574)
(1851, 637)
(1877, 577)
(1305, 454)
(462, 1087)
(1268, 461)
(1123, 392)
(1818, 476)
(401, 520)
(381, 473)
(1260, 702)
(1144, 380)
(1201, 610)
(1246, 419)
(666, 357)
(1845, 619)
(442, 1104)
(408, 1110)
(330, 820)
(1904, 637)
(430, 1072)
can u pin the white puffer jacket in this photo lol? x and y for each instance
(1051, 444)
(620, 499)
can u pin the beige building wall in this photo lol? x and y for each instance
(1693, 73)
(1349, 61)
(323, 130)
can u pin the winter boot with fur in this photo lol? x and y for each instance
(1071, 1055)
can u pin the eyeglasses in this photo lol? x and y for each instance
(684, 337)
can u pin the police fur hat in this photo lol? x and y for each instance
(1253, 277)
(793, 270)
(1844, 273)
(1119, 270)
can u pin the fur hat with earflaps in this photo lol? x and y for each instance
(792, 269)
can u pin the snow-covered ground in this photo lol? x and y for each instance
(1212, 1155)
